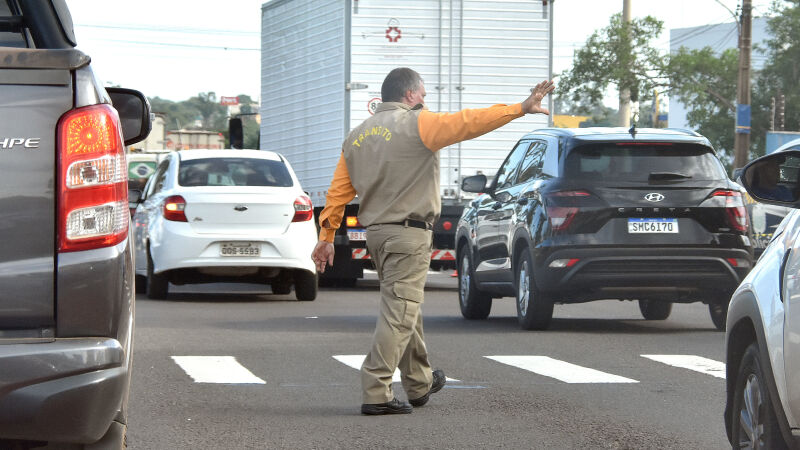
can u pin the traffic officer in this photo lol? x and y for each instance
(391, 162)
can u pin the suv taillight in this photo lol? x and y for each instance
(734, 208)
(92, 180)
(174, 208)
(303, 210)
(561, 217)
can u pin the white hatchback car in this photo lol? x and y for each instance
(762, 339)
(225, 216)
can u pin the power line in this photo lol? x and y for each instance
(167, 44)
(171, 29)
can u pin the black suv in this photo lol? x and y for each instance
(575, 215)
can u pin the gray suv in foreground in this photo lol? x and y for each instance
(66, 261)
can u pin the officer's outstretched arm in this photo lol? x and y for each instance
(438, 130)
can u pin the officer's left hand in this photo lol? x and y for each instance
(323, 254)
(533, 104)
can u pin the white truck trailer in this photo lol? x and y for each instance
(323, 62)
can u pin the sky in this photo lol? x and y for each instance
(175, 49)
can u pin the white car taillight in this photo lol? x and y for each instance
(174, 208)
(92, 180)
(303, 210)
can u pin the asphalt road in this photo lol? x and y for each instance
(281, 385)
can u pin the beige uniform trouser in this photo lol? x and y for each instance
(402, 257)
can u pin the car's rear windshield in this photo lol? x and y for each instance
(233, 172)
(644, 162)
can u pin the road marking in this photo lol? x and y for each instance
(355, 361)
(560, 370)
(216, 369)
(692, 362)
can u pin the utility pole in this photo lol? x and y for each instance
(624, 91)
(742, 137)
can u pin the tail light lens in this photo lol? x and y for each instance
(352, 221)
(92, 180)
(303, 211)
(561, 217)
(174, 208)
(734, 209)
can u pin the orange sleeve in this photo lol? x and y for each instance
(438, 130)
(339, 194)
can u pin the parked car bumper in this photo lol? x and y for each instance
(178, 247)
(650, 270)
(61, 389)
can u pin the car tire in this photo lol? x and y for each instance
(534, 309)
(281, 287)
(157, 284)
(305, 285)
(719, 313)
(655, 310)
(752, 406)
(140, 283)
(474, 304)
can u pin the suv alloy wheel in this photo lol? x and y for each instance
(534, 309)
(474, 304)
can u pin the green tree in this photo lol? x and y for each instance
(705, 83)
(781, 72)
(620, 55)
(213, 115)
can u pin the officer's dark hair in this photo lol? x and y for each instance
(398, 82)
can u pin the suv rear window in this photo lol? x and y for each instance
(643, 162)
(233, 172)
(9, 38)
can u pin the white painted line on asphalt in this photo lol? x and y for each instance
(560, 370)
(692, 362)
(355, 361)
(216, 369)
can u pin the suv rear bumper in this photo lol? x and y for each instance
(61, 389)
(645, 271)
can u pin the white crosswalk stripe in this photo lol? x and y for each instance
(216, 369)
(560, 370)
(355, 362)
(691, 362)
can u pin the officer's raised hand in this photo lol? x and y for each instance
(533, 104)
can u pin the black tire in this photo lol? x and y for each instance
(140, 283)
(157, 284)
(474, 304)
(757, 414)
(719, 313)
(534, 309)
(655, 310)
(305, 285)
(281, 287)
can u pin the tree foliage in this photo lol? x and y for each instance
(619, 55)
(706, 85)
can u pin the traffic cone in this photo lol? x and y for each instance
(455, 273)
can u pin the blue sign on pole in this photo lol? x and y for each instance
(743, 119)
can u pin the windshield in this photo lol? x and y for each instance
(233, 172)
(643, 162)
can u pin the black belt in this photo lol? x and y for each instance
(412, 223)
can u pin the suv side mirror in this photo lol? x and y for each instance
(774, 178)
(475, 183)
(134, 113)
(737, 173)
